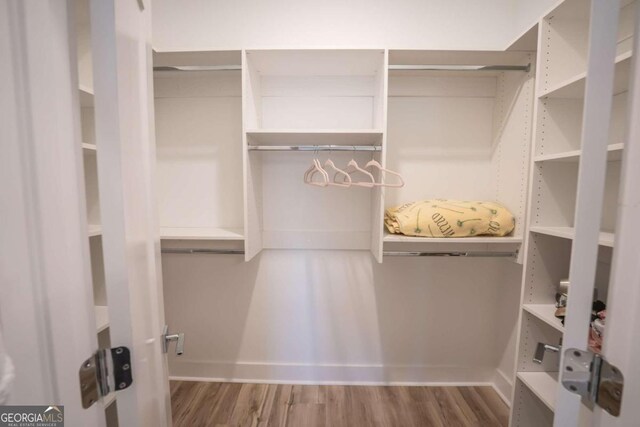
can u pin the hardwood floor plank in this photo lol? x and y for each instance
(196, 404)
(307, 414)
(458, 401)
(495, 403)
(479, 407)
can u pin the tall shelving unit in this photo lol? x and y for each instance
(560, 83)
(90, 153)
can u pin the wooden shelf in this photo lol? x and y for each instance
(90, 148)
(573, 87)
(543, 384)
(399, 238)
(546, 313)
(86, 96)
(606, 239)
(315, 137)
(94, 230)
(614, 153)
(102, 318)
(201, 233)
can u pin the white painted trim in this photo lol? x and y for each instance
(503, 386)
(345, 383)
(290, 373)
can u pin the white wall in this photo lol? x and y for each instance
(527, 12)
(451, 24)
(339, 316)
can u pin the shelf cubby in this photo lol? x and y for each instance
(199, 147)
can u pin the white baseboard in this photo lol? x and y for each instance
(503, 386)
(278, 373)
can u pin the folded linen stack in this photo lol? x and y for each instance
(449, 218)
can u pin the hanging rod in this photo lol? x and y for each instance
(202, 251)
(525, 68)
(315, 148)
(198, 68)
(475, 254)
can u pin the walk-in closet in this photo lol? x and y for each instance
(282, 213)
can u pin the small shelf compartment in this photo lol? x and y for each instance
(199, 146)
(614, 153)
(314, 89)
(605, 239)
(543, 384)
(574, 86)
(546, 313)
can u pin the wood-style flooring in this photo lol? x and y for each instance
(197, 404)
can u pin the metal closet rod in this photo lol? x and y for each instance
(315, 148)
(525, 68)
(202, 251)
(474, 254)
(198, 68)
(385, 253)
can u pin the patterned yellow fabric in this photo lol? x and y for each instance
(449, 218)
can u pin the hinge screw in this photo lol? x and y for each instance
(125, 367)
(119, 350)
(122, 385)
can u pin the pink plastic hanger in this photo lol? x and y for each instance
(375, 164)
(346, 177)
(316, 167)
(352, 168)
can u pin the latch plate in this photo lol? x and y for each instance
(105, 371)
(592, 377)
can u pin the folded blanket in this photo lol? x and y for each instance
(449, 218)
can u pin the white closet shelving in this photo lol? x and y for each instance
(560, 83)
(467, 134)
(90, 153)
(199, 147)
(310, 97)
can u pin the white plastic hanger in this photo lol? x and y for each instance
(375, 164)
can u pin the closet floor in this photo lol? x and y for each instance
(197, 404)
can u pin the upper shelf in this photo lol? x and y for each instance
(316, 62)
(573, 87)
(201, 233)
(315, 137)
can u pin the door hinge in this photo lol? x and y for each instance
(107, 370)
(592, 377)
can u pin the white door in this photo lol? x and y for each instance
(46, 302)
(621, 345)
(125, 139)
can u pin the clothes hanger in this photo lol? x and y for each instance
(316, 167)
(353, 165)
(346, 177)
(374, 163)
